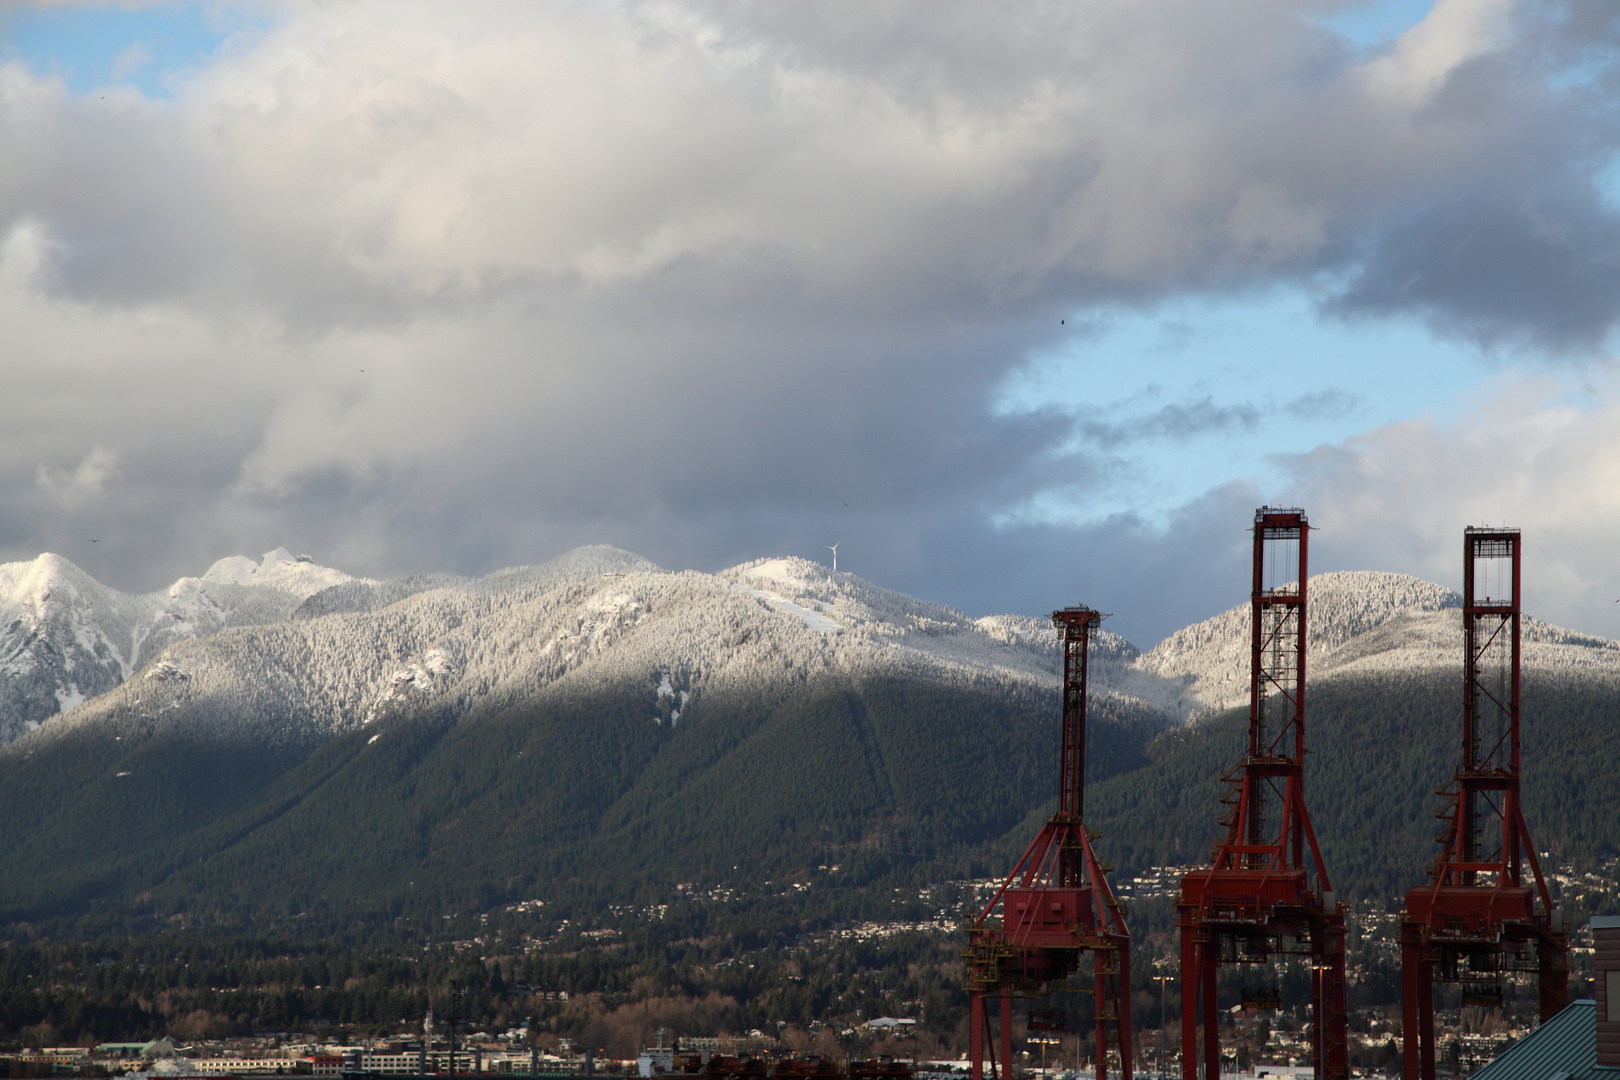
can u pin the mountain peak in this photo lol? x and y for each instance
(784, 570)
(35, 576)
(65, 637)
(280, 568)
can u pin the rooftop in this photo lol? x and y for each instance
(1564, 1048)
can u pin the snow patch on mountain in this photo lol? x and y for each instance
(166, 671)
(1019, 630)
(432, 672)
(814, 620)
(678, 699)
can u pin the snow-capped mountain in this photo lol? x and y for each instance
(1357, 623)
(359, 651)
(289, 652)
(68, 638)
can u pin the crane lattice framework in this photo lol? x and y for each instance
(1056, 906)
(1478, 919)
(1261, 897)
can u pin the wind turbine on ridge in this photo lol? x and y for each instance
(834, 549)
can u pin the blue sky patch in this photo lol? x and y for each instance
(152, 49)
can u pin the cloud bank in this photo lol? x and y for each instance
(451, 287)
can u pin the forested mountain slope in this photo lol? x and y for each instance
(1384, 730)
(484, 736)
(599, 728)
(1380, 743)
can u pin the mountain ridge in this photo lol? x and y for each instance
(311, 652)
(68, 638)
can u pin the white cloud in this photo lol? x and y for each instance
(84, 483)
(24, 254)
(130, 61)
(1453, 33)
(1541, 453)
(389, 154)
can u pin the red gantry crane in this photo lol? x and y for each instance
(1478, 919)
(1259, 899)
(1056, 906)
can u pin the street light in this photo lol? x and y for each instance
(456, 991)
(1319, 1050)
(1161, 980)
(1045, 1041)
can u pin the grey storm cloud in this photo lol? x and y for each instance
(424, 286)
(1191, 417)
(1501, 268)
(1180, 420)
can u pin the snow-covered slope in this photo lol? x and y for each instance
(66, 637)
(1359, 623)
(357, 652)
(298, 654)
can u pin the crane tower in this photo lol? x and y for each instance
(1479, 919)
(1266, 893)
(1055, 907)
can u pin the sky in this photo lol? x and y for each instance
(1020, 311)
